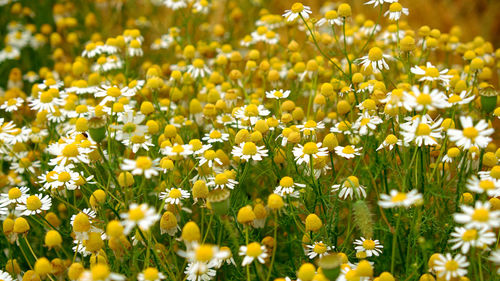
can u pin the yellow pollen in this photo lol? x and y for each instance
(432, 72)
(310, 148)
(204, 253)
(451, 265)
(297, 7)
(486, 185)
(369, 244)
(286, 182)
(424, 99)
(319, 248)
(251, 110)
(64, 177)
(70, 150)
(220, 179)
(175, 193)
(113, 92)
(46, 97)
(138, 139)
(469, 235)
(198, 63)
(400, 197)
(215, 134)
(210, 154)
(375, 54)
(14, 193)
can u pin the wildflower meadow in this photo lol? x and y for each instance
(246, 140)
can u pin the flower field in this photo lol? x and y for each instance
(249, 140)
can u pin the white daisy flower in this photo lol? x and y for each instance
(150, 274)
(426, 99)
(376, 59)
(366, 123)
(287, 187)
(451, 267)
(389, 142)
(318, 249)
(253, 251)
(375, 3)
(174, 195)
(278, 94)
(198, 69)
(311, 150)
(471, 135)
(479, 216)
(142, 216)
(350, 188)
(249, 151)
(216, 136)
(430, 74)
(348, 151)
(297, 10)
(396, 10)
(421, 131)
(399, 199)
(465, 238)
(142, 165)
(34, 204)
(484, 185)
(369, 246)
(12, 104)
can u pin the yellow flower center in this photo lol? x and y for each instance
(432, 72)
(319, 248)
(470, 133)
(46, 97)
(210, 154)
(70, 150)
(375, 54)
(344, 125)
(297, 7)
(310, 124)
(175, 193)
(286, 182)
(253, 249)
(451, 265)
(395, 7)
(138, 139)
(251, 110)
(454, 99)
(204, 253)
(369, 244)
(215, 134)
(278, 94)
(151, 274)
(249, 148)
(113, 92)
(481, 215)
(100, 272)
(220, 179)
(348, 150)
(14, 193)
(33, 203)
(391, 139)
(64, 177)
(310, 148)
(136, 214)
(365, 121)
(400, 197)
(469, 235)
(198, 63)
(11, 102)
(423, 130)
(424, 99)
(143, 162)
(486, 185)
(351, 181)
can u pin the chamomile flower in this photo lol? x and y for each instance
(465, 97)
(350, 188)
(471, 135)
(484, 185)
(348, 151)
(480, 216)
(308, 152)
(366, 123)
(210, 158)
(46, 101)
(278, 94)
(5, 276)
(221, 181)
(198, 69)
(34, 204)
(15, 195)
(318, 249)
(216, 136)
(175, 4)
(426, 99)
(249, 151)
(375, 3)
(251, 113)
(287, 187)
(174, 196)
(397, 198)
(253, 251)
(142, 216)
(369, 246)
(297, 10)
(376, 59)
(12, 104)
(331, 17)
(465, 238)
(150, 274)
(389, 142)
(449, 267)
(143, 165)
(495, 258)
(100, 272)
(430, 74)
(396, 10)
(422, 131)
(311, 127)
